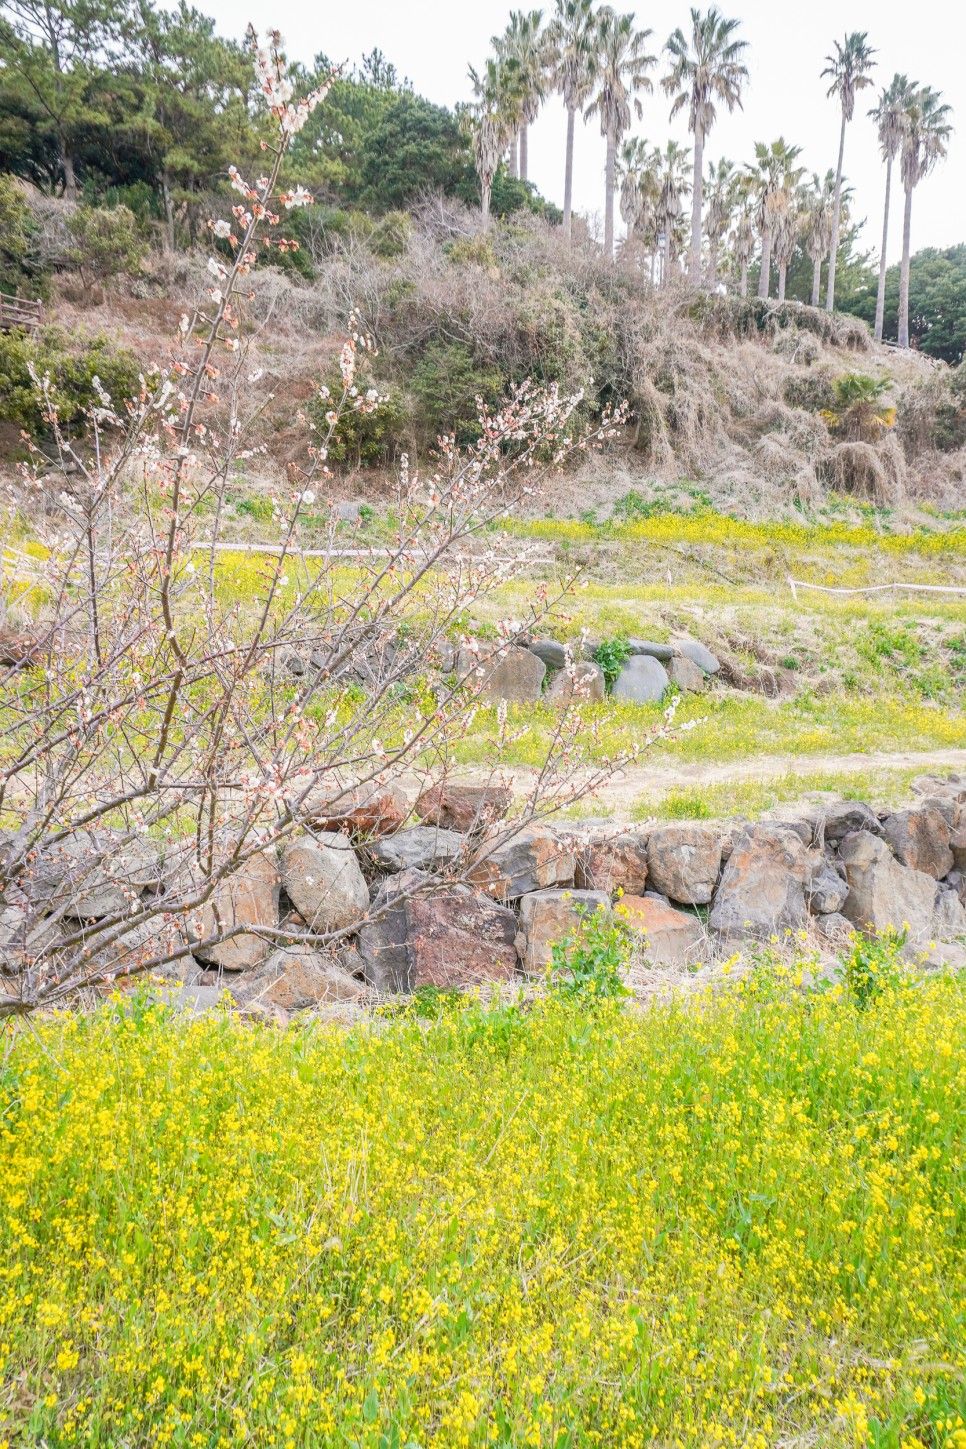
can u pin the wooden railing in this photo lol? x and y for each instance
(19, 312)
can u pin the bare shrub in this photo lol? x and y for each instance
(875, 472)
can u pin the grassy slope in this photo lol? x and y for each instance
(735, 1221)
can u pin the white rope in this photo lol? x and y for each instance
(796, 584)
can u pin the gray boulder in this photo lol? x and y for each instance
(883, 893)
(531, 860)
(93, 873)
(547, 917)
(825, 890)
(696, 651)
(584, 682)
(551, 651)
(920, 839)
(670, 937)
(834, 926)
(663, 652)
(249, 897)
(296, 977)
(846, 816)
(642, 680)
(515, 675)
(421, 847)
(762, 890)
(684, 862)
(324, 882)
(687, 675)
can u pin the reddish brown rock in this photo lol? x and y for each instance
(463, 808)
(247, 898)
(459, 939)
(421, 938)
(367, 810)
(547, 917)
(684, 862)
(613, 863)
(671, 938)
(531, 860)
(920, 839)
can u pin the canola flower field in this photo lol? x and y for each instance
(735, 1219)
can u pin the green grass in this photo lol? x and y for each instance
(751, 798)
(732, 1220)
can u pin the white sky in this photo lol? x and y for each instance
(433, 41)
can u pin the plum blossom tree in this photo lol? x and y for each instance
(167, 729)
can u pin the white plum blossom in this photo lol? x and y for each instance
(221, 228)
(298, 197)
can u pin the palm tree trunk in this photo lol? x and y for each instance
(569, 172)
(609, 185)
(764, 281)
(487, 190)
(744, 277)
(880, 295)
(653, 265)
(524, 152)
(904, 276)
(666, 279)
(782, 277)
(694, 265)
(836, 216)
(713, 266)
(816, 281)
(514, 158)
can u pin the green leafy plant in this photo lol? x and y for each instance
(874, 964)
(107, 242)
(612, 655)
(590, 963)
(72, 365)
(860, 412)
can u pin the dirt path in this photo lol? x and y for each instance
(656, 780)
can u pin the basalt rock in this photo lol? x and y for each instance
(547, 917)
(762, 890)
(531, 860)
(465, 808)
(684, 862)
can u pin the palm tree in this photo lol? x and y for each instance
(620, 70)
(571, 39)
(743, 235)
(773, 178)
(924, 145)
(524, 43)
(673, 170)
(708, 70)
(722, 198)
(787, 229)
(494, 119)
(890, 116)
(849, 71)
(819, 205)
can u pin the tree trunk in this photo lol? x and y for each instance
(514, 157)
(653, 266)
(836, 216)
(487, 190)
(816, 281)
(764, 281)
(697, 193)
(782, 277)
(713, 266)
(744, 278)
(904, 277)
(67, 165)
(168, 212)
(609, 186)
(569, 172)
(524, 152)
(880, 295)
(667, 255)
